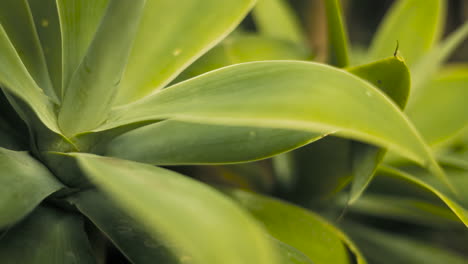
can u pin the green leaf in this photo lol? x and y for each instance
(47, 236)
(416, 26)
(46, 20)
(423, 71)
(307, 232)
(93, 86)
(337, 35)
(457, 204)
(24, 183)
(194, 220)
(79, 21)
(15, 78)
(168, 143)
(17, 21)
(122, 229)
(440, 112)
(245, 47)
(287, 95)
(400, 208)
(392, 77)
(185, 30)
(383, 248)
(275, 18)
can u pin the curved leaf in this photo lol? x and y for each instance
(15, 78)
(403, 209)
(24, 183)
(196, 222)
(275, 18)
(47, 236)
(429, 183)
(168, 143)
(17, 21)
(122, 229)
(440, 111)
(313, 236)
(383, 248)
(290, 255)
(159, 56)
(417, 26)
(288, 95)
(392, 77)
(93, 86)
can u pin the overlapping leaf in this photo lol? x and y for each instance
(24, 183)
(158, 56)
(193, 220)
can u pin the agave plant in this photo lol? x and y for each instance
(88, 110)
(315, 175)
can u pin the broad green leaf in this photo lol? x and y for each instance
(425, 69)
(337, 35)
(17, 21)
(440, 111)
(93, 86)
(415, 25)
(287, 95)
(275, 18)
(168, 143)
(383, 248)
(47, 236)
(24, 183)
(403, 209)
(307, 232)
(245, 48)
(392, 77)
(158, 56)
(15, 78)
(79, 21)
(457, 204)
(197, 222)
(122, 229)
(47, 24)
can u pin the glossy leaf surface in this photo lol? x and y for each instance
(197, 222)
(168, 143)
(254, 94)
(47, 236)
(159, 56)
(399, 25)
(24, 183)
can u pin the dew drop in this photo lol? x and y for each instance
(44, 22)
(176, 52)
(368, 93)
